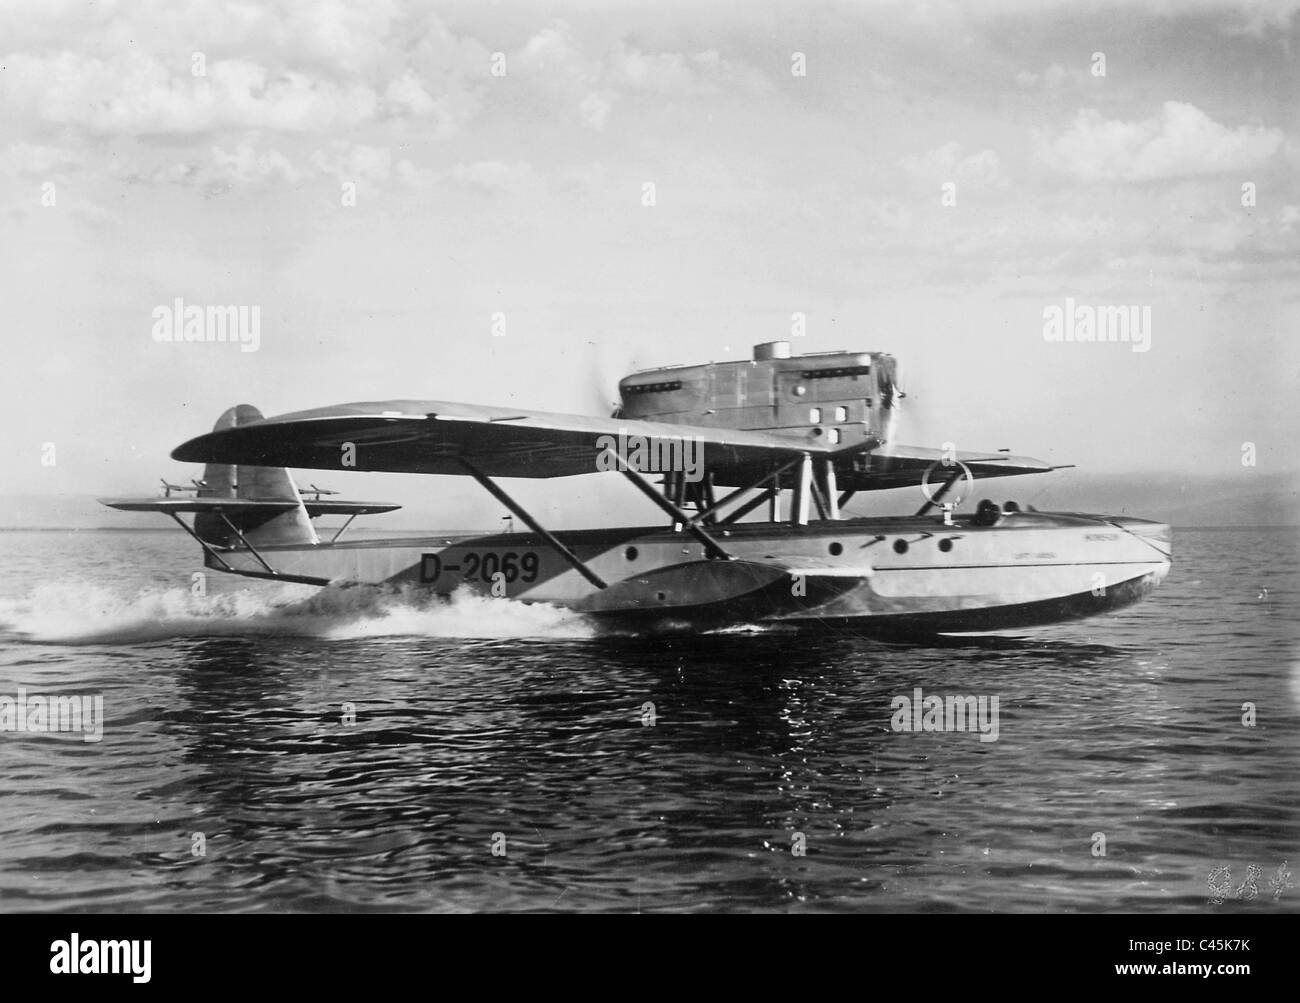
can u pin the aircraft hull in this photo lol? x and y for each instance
(881, 575)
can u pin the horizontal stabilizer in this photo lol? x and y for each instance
(237, 506)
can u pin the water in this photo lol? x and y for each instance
(224, 716)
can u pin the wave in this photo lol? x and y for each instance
(75, 613)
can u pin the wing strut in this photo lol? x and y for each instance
(748, 506)
(711, 546)
(947, 486)
(768, 494)
(251, 549)
(826, 474)
(533, 524)
(202, 543)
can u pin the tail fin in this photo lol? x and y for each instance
(222, 480)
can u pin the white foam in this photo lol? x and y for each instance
(77, 613)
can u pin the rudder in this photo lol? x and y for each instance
(249, 483)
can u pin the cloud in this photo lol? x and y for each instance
(1181, 141)
(1262, 19)
(1052, 77)
(946, 163)
(497, 176)
(296, 66)
(34, 159)
(213, 169)
(173, 173)
(245, 164)
(675, 72)
(338, 33)
(407, 95)
(409, 174)
(1076, 230)
(323, 68)
(355, 162)
(595, 108)
(137, 94)
(593, 81)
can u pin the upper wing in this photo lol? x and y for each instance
(433, 437)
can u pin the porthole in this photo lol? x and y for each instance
(900, 546)
(630, 553)
(800, 391)
(661, 596)
(945, 545)
(836, 549)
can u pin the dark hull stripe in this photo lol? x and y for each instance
(958, 567)
(1016, 615)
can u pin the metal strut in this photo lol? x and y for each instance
(202, 543)
(765, 495)
(819, 500)
(711, 546)
(710, 514)
(830, 488)
(943, 490)
(803, 495)
(533, 524)
(335, 537)
(753, 503)
(251, 549)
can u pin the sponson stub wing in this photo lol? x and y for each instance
(439, 437)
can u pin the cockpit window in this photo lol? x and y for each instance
(653, 388)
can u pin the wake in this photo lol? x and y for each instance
(76, 613)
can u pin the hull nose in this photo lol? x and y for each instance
(1157, 535)
(1158, 541)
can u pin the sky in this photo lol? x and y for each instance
(451, 202)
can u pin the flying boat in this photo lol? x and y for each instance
(751, 464)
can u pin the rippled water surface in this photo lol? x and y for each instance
(485, 724)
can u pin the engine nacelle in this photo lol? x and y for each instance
(842, 397)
